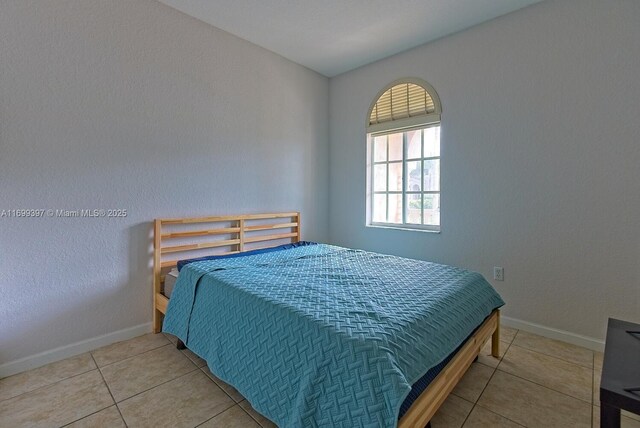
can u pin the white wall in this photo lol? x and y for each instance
(131, 104)
(540, 159)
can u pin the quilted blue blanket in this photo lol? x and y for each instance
(323, 336)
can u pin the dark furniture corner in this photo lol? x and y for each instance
(620, 383)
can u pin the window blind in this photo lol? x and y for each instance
(402, 101)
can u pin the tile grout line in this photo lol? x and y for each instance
(129, 357)
(191, 359)
(536, 383)
(547, 387)
(86, 416)
(47, 385)
(225, 410)
(195, 368)
(148, 389)
(251, 416)
(232, 399)
(192, 371)
(216, 383)
(502, 416)
(487, 365)
(110, 393)
(554, 356)
(475, 403)
(125, 359)
(485, 387)
(217, 414)
(98, 411)
(228, 395)
(155, 386)
(200, 424)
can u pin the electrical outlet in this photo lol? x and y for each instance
(498, 273)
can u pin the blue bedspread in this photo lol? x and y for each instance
(325, 336)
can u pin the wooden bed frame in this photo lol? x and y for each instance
(190, 237)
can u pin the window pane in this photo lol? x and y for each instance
(395, 208)
(432, 142)
(380, 178)
(414, 174)
(414, 208)
(380, 208)
(395, 176)
(380, 149)
(414, 144)
(395, 146)
(431, 175)
(432, 209)
(403, 177)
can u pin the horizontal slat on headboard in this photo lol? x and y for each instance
(221, 231)
(227, 218)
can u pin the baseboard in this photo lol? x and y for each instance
(553, 333)
(57, 354)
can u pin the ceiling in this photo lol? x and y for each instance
(334, 36)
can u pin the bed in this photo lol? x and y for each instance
(318, 335)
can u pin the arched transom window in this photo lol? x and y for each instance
(403, 157)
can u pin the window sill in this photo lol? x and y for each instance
(404, 228)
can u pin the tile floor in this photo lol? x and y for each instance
(146, 381)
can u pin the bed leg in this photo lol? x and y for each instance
(495, 338)
(157, 321)
(180, 344)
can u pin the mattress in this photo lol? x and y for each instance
(169, 282)
(327, 336)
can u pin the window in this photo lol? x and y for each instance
(403, 157)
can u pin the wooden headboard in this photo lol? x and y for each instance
(182, 238)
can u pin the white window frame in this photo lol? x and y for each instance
(396, 126)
